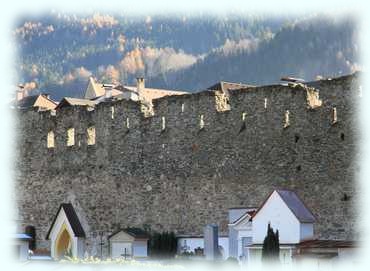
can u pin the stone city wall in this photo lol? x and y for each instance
(197, 156)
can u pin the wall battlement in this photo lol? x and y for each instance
(197, 156)
(267, 98)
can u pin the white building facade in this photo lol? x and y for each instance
(128, 244)
(240, 232)
(66, 234)
(285, 212)
(20, 243)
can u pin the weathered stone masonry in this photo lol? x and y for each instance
(181, 176)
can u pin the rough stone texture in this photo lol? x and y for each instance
(185, 177)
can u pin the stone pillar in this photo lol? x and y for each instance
(211, 241)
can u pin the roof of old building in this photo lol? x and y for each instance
(222, 85)
(68, 101)
(247, 214)
(72, 219)
(294, 203)
(30, 101)
(327, 244)
(96, 89)
(292, 79)
(137, 233)
(155, 93)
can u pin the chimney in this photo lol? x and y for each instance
(108, 90)
(140, 84)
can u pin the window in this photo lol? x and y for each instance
(70, 136)
(286, 119)
(201, 122)
(334, 116)
(296, 138)
(265, 105)
(182, 108)
(127, 123)
(112, 111)
(91, 135)
(163, 123)
(50, 140)
(243, 116)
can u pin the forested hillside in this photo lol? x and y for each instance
(58, 52)
(306, 49)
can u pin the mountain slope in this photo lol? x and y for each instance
(306, 49)
(58, 52)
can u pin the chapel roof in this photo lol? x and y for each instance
(137, 233)
(294, 203)
(72, 219)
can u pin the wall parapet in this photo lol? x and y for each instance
(196, 109)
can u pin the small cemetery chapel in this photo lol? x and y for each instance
(287, 213)
(129, 243)
(66, 233)
(68, 237)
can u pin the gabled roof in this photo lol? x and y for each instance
(72, 219)
(94, 89)
(297, 206)
(292, 79)
(248, 214)
(294, 203)
(67, 101)
(223, 86)
(36, 101)
(154, 93)
(137, 233)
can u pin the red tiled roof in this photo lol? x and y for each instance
(327, 244)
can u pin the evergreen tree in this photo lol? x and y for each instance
(271, 246)
(163, 245)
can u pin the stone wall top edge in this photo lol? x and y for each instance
(164, 101)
